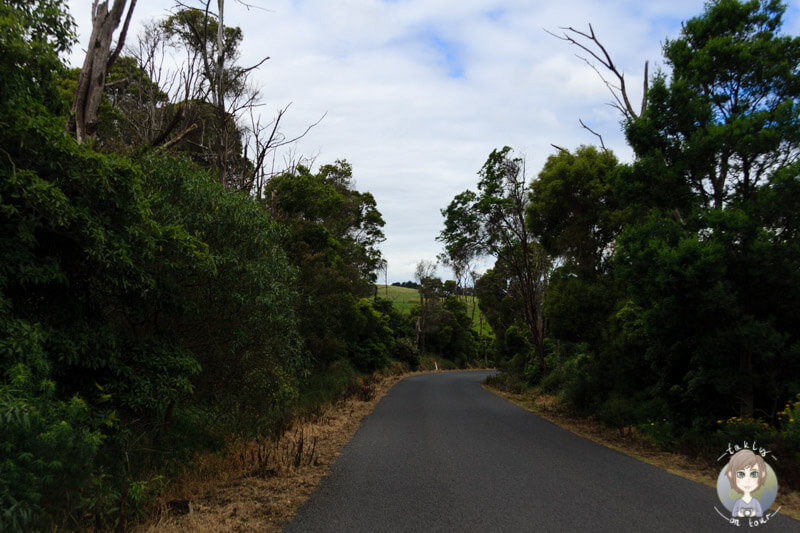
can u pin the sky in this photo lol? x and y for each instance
(416, 94)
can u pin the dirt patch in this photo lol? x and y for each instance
(259, 485)
(626, 441)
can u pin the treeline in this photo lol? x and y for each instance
(160, 292)
(407, 284)
(661, 295)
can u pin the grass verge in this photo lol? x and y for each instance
(258, 485)
(552, 408)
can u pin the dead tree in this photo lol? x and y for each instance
(96, 66)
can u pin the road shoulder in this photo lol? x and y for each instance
(550, 408)
(260, 485)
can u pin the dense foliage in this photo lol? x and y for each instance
(674, 302)
(158, 294)
(146, 310)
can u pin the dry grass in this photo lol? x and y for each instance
(260, 484)
(552, 408)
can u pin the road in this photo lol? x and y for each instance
(440, 453)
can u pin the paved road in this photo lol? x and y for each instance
(440, 453)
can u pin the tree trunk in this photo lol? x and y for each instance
(220, 97)
(96, 65)
(531, 300)
(747, 406)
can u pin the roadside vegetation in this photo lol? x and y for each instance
(168, 299)
(168, 304)
(659, 297)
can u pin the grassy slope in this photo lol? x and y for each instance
(404, 299)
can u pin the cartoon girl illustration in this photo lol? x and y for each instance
(746, 473)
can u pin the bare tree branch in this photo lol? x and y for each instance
(122, 35)
(179, 137)
(248, 69)
(161, 137)
(601, 55)
(590, 130)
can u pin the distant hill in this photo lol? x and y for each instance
(403, 298)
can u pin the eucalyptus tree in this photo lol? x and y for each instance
(491, 222)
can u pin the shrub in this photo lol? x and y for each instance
(660, 433)
(738, 430)
(617, 411)
(333, 383)
(789, 419)
(47, 451)
(405, 351)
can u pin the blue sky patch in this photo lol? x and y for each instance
(447, 52)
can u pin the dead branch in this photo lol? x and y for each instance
(613, 89)
(273, 141)
(590, 130)
(600, 54)
(645, 88)
(248, 69)
(161, 137)
(121, 40)
(126, 79)
(181, 135)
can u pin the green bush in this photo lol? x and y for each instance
(406, 352)
(325, 386)
(660, 433)
(789, 419)
(236, 312)
(738, 430)
(47, 451)
(617, 411)
(371, 342)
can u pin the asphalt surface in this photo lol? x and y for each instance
(440, 453)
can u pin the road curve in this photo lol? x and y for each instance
(440, 453)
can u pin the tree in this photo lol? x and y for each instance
(97, 64)
(734, 101)
(332, 238)
(705, 258)
(572, 209)
(231, 135)
(492, 222)
(425, 274)
(120, 277)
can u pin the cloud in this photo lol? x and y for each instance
(418, 92)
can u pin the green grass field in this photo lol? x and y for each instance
(404, 299)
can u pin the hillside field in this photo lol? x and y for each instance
(404, 300)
